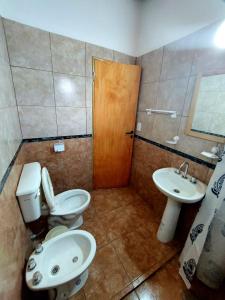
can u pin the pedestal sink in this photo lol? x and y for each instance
(178, 190)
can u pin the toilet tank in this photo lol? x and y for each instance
(28, 192)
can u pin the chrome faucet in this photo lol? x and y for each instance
(184, 165)
(37, 277)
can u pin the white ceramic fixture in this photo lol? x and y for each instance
(65, 208)
(61, 264)
(179, 190)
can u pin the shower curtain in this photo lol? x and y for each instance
(215, 195)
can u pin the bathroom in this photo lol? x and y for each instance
(105, 98)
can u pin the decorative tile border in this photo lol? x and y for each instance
(55, 138)
(193, 158)
(7, 172)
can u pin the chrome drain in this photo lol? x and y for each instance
(75, 259)
(176, 191)
(55, 270)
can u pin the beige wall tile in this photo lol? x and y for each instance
(10, 136)
(69, 90)
(28, 46)
(181, 61)
(7, 96)
(37, 121)
(89, 120)
(165, 128)
(123, 58)
(146, 125)
(171, 95)
(96, 51)
(68, 55)
(69, 169)
(148, 158)
(151, 64)
(189, 95)
(33, 87)
(196, 170)
(71, 121)
(89, 83)
(13, 129)
(10, 133)
(148, 96)
(4, 59)
(177, 58)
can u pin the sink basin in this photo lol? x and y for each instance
(178, 190)
(173, 185)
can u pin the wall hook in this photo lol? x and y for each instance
(174, 141)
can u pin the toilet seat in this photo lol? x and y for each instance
(67, 203)
(70, 202)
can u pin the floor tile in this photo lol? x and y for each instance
(125, 291)
(131, 296)
(106, 200)
(163, 285)
(89, 213)
(125, 227)
(135, 253)
(95, 227)
(106, 275)
(140, 252)
(126, 219)
(79, 296)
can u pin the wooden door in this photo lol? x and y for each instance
(115, 94)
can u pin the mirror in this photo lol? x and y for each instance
(207, 113)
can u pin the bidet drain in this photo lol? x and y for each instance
(75, 259)
(55, 270)
(176, 191)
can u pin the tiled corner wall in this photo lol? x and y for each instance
(10, 134)
(68, 170)
(45, 91)
(13, 235)
(52, 76)
(147, 158)
(168, 80)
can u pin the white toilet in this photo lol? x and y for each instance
(65, 208)
(61, 264)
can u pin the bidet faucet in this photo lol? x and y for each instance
(38, 249)
(31, 264)
(184, 165)
(37, 277)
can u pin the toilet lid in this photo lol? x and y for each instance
(48, 188)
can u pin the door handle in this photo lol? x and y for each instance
(130, 132)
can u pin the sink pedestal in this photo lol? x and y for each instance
(169, 220)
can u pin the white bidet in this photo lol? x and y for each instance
(61, 263)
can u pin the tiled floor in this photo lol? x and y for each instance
(127, 249)
(165, 284)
